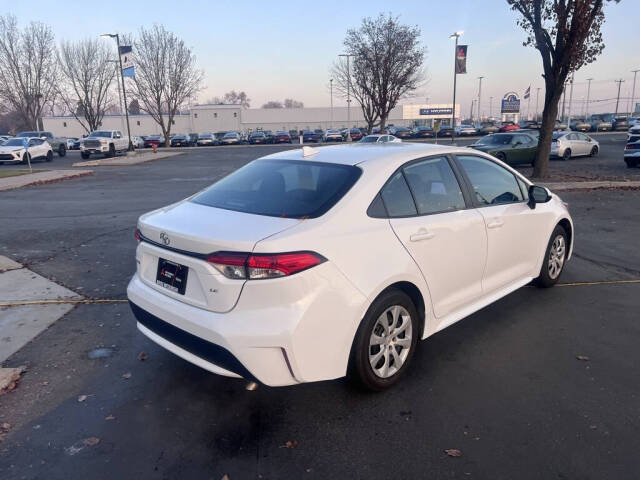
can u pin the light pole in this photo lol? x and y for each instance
(586, 108)
(490, 108)
(479, 97)
(124, 92)
(570, 99)
(633, 92)
(455, 74)
(619, 82)
(115, 65)
(348, 55)
(331, 89)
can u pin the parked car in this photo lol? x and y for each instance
(257, 137)
(509, 126)
(25, 150)
(193, 139)
(70, 142)
(631, 151)
(58, 144)
(573, 144)
(534, 132)
(180, 140)
(332, 136)
(445, 131)
(282, 137)
(620, 123)
(599, 124)
(529, 125)
(269, 136)
(380, 138)
(230, 138)
(356, 134)
(423, 132)
(348, 280)
(206, 140)
(76, 144)
(311, 136)
(514, 148)
(634, 129)
(400, 132)
(487, 128)
(107, 142)
(151, 140)
(138, 142)
(465, 130)
(580, 125)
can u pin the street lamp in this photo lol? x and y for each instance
(455, 35)
(479, 97)
(348, 55)
(633, 93)
(331, 88)
(586, 108)
(124, 92)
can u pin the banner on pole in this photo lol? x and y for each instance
(126, 56)
(461, 59)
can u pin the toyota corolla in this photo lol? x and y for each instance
(313, 264)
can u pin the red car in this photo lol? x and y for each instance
(281, 137)
(157, 140)
(356, 134)
(509, 127)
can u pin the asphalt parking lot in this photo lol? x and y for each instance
(504, 386)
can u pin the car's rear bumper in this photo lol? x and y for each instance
(281, 332)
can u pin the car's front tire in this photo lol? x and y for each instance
(555, 258)
(62, 150)
(84, 155)
(385, 341)
(50, 156)
(631, 163)
(594, 152)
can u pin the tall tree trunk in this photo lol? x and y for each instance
(549, 116)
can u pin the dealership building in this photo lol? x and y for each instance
(216, 118)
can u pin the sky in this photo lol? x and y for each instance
(275, 50)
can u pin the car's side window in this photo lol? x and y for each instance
(434, 186)
(397, 197)
(492, 184)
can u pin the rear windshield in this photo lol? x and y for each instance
(281, 188)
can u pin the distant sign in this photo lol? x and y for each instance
(437, 111)
(510, 103)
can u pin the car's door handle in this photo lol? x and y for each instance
(495, 223)
(421, 235)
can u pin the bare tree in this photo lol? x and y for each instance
(273, 104)
(87, 76)
(28, 69)
(567, 33)
(166, 75)
(291, 103)
(134, 107)
(362, 88)
(387, 64)
(239, 98)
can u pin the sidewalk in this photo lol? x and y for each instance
(590, 185)
(9, 183)
(127, 160)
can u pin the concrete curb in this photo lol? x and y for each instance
(40, 178)
(127, 160)
(590, 185)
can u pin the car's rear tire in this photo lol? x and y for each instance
(62, 150)
(555, 257)
(566, 155)
(385, 341)
(50, 156)
(501, 156)
(594, 151)
(631, 163)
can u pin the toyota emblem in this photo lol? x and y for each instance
(165, 238)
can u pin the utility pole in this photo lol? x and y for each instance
(471, 112)
(570, 100)
(479, 98)
(348, 55)
(331, 88)
(455, 74)
(633, 92)
(586, 114)
(619, 82)
(115, 65)
(490, 107)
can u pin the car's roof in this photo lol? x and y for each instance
(358, 153)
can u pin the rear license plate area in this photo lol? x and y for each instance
(172, 276)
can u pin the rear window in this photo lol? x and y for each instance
(281, 188)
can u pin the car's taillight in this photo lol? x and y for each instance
(239, 266)
(136, 233)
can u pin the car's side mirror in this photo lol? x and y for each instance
(538, 194)
(517, 143)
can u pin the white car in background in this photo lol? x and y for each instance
(137, 142)
(573, 144)
(311, 264)
(381, 138)
(25, 150)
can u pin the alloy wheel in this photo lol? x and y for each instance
(556, 256)
(390, 341)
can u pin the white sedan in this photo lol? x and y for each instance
(382, 138)
(25, 150)
(573, 144)
(312, 264)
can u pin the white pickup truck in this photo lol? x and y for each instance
(107, 142)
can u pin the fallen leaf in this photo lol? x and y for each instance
(110, 417)
(127, 375)
(291, 444)
(142, 356)
(82, 398)
(91, 441)
(584, 358)
(452, 452)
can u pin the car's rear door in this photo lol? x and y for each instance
(515, 232)
(429, 213)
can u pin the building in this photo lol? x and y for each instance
(216, 118)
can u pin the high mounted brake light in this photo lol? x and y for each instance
(257, 266)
